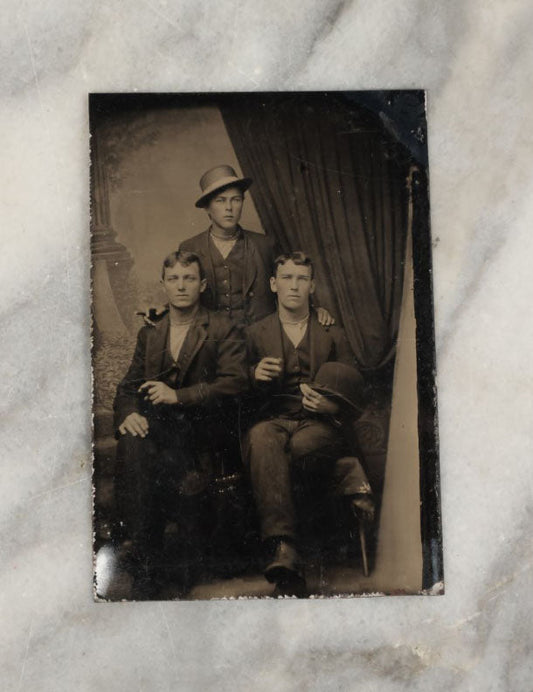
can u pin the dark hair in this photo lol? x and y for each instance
(184, 258)
(297, 257)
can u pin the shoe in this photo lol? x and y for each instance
(364, 508)
(285, 564)
(294, 585)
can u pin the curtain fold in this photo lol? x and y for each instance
(330, 181)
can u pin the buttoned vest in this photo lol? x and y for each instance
(229, 278)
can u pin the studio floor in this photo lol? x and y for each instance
(114, 584)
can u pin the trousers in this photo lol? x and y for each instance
(158, 477)
(280, 448)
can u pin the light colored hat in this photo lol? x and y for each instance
(216, 179)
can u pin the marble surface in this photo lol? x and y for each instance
(476, 61)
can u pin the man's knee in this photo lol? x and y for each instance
(261, 437)
(131, 448)
(128, 442)
(319, 442)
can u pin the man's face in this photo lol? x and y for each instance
(293, 284)
(183, 285)
(225, 208)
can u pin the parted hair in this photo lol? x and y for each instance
(298, 257)
(183, 257)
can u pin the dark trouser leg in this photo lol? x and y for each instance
(319, 449)
(267, 450)
(135, 492)
(349, 477)
(152, 473)
(315, 446)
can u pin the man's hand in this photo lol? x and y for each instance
(152, 315)
(135, 424)
(159, 392)
(317, 403)
(324, 317)
(267, 369)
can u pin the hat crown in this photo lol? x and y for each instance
(213, 175)
(218, 178)
(343, 381)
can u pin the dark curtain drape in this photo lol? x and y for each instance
(329, 180)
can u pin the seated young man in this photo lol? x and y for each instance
(299, 427)
(184, 370)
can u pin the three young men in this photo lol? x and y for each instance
(191, 363)
(237, 262)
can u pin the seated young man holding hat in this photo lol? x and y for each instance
(308, 386)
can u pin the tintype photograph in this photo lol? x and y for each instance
(264, 399)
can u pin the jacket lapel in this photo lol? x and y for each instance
(320, 341)
(194, 340)
(250, 263)
(156, 345)
(207, 261)
(272, 343)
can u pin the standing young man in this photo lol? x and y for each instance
(299, 428)
(238, 263)
(184, 370)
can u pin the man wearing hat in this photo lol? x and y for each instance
(238, 263)
(308, 385)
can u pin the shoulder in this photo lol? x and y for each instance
(149, 331)
(145, 331)
(219, 323)
(262, 241)
(143, 336)
(263, 325)
(334, 331)
(192, 243)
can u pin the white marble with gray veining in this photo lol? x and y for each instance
(476, 60)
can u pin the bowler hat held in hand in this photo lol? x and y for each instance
(343, 383)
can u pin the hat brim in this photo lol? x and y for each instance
(321, 389)
(230, 181)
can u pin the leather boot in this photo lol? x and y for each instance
(284, 569)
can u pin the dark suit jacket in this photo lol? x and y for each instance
(213, 365)
(264, 339)
(260, 253)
